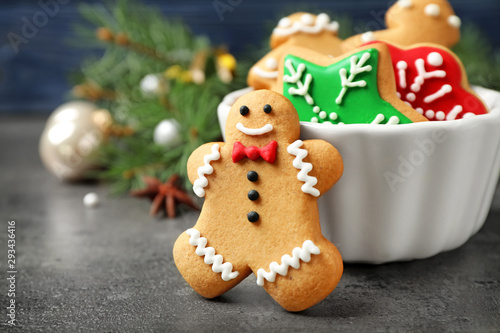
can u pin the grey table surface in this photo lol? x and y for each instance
(110, 269)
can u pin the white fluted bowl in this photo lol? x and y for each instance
(408, 191)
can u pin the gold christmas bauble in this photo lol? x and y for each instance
(72, 134)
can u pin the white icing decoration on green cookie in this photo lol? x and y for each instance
(356, 68)
(302, 87)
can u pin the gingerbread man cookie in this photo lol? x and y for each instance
(355, 88)
(432, 79)
(260, 212)
(299, 29)
(414, 21)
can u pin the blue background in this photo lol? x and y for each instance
(35, 79)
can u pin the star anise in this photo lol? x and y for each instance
(166, 195)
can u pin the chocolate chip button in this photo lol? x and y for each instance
(252, 176)
(244, 110)
(253, 195)
(253, 216)
(267, 108)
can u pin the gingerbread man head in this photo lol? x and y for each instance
(429, 21)
(254, 120)
(414, 21)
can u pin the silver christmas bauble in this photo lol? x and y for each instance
(70, 139)
(154, 85)
(167, 133)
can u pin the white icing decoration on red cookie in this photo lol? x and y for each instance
(454, 21)
(432, 10)
(423, 75)
(445, 89)
(286, 28)
(394, 120)
(254, 131)
(356, 68)
(206, 169)
(210, 257)
(302, 87)
(304, 167)
(298, 254)
(435, 59)
(429, 114)
(452, 115)
(264, 74)
(402, 66)
(440, 115)
(411, 97)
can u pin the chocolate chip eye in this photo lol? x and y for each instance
(244, 110)
(267, 108)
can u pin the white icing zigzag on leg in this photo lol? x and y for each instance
(210, 257)
(207, 169)
(298, 254)
(305, 168)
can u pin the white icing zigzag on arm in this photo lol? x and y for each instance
(206, 169)
(210, 257)
(298, 254)
(305, 168)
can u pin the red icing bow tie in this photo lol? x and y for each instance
(268, 152)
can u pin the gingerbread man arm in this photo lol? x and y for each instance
(199, 165)
(319, 163)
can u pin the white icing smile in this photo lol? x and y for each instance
(254, 131)
(265, 74)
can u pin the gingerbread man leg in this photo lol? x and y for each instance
(207, 271)
(320, 274)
